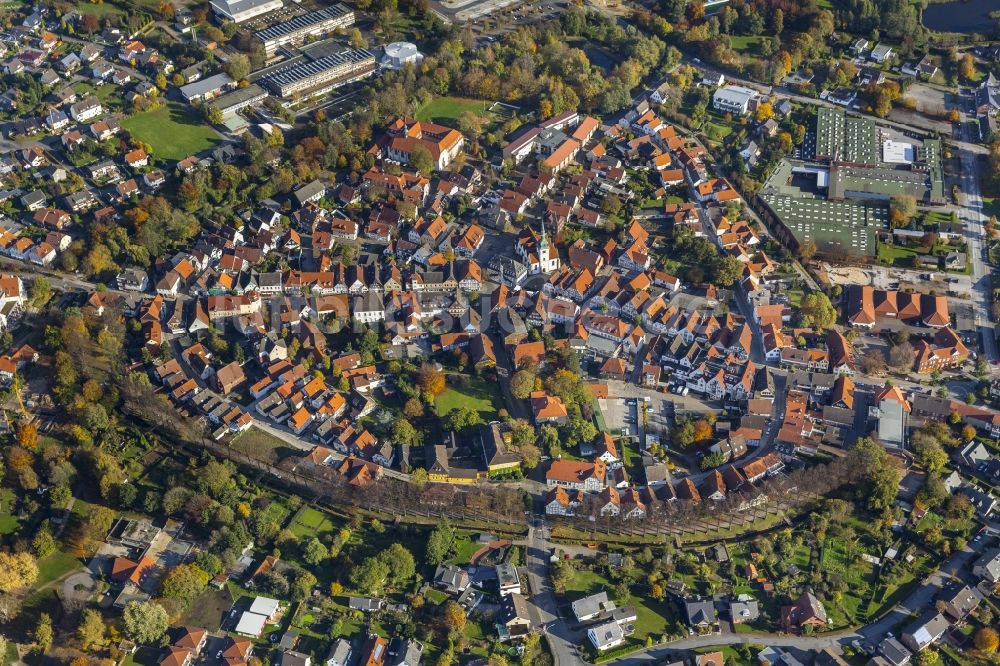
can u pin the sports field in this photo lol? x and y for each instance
(174, 131)
(444, 109)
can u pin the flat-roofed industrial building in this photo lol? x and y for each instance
(296, 30)
(320, 75)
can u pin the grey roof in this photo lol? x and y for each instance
(953, 481)
(974, 453)
(494, 449)
(303, 22)
(809, 603)
(515, 607)
(235, 7)
(293, 658)
(364, 603)
(307, 69)
(926, 629)
(894, 652)
(308, 191)
(340, 651)
(607, 634)
(238, 97)
(700, 612)
(990, 562)
(745, 611)
(963, 598)
(451, 576)
(506, 574)
(405, 652)
(983, 501)
(205, 86)
(591, 605)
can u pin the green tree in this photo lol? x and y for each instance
(817, 310)
(91, 628)
(880, 472)
(439, 543)
(713, 460)
(728, 270)
(357, 40)
(403, 432)
(314, 552)
(370, 576)
(43, 544)
(928, 452)
(461, 418)
(400, 562)
(522, 383)
(214, 115)
(43, 631)
(185, 581)
(144, 622)
(238, 66)
(421, 160)
(684, 432)
(302, 586)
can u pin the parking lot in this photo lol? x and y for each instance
(619, 414)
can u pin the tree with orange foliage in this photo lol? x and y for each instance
(431, 380)
(27, 436)
(19, 458)
(703, 431)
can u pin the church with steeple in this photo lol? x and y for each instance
(535, 252)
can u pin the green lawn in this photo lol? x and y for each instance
(174, 131)
(802, 556)
(8, 524)
(586, 582)
(717, 132)
(929, 520)
(481, 395)
(839, 557)
(261, 445)
(897, 255)
(436, 597)
(744, 43)
(101, 10)
(653, 618)
(107, 93)
(55, 566)
(11, 655)
(448, 110)
(310, 522)
(465, 548)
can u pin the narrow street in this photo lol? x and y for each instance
(561, 642)
(972, 214)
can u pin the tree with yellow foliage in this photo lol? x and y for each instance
(986, 640)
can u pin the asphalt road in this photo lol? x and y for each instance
(972, 214)
(562, 642)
